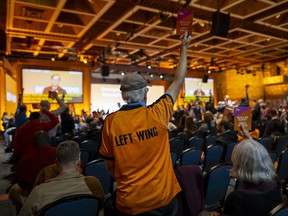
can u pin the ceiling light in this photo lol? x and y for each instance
(278, 16)
(85, 61)
(151, 75)
(201, 23)
(148, 65)
(209, 71)
(122, 73)
(161, 76)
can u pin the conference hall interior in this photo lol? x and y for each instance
(237, 71)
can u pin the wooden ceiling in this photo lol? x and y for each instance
(140, 32)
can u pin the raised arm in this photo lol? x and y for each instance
(181, 70)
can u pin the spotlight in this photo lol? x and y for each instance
(122, 73)
(151, 75)
(148, 65)
(209, 71)
(85, 61)
(161, 76)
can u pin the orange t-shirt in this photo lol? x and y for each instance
(137, 139)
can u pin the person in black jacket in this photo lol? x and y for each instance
(67, 122)
(226, 136)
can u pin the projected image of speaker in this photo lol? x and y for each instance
(105, 70)
(220, 24)
(205, 78)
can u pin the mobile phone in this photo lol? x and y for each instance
(35, 106)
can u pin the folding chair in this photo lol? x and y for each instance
(74, 205)
(191, 156)
(216, 182)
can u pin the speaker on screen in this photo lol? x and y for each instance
(205, 78)
(105, 70)
(220, 24)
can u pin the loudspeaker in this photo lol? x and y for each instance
(205, 78)
(105, 70)
(220, 24)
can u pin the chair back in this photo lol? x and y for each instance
(274, 156)
(77, 139)
(266, 142)
(280, 210)
(174, 158)
(183, 135)
(92, 146)
(197, 142)
(191, 156)
(98, 169)
(74, 205)
(216, 182)
(57, 140)
(281, 144)
(213, 156)
(229, 149)
(282, 168)
(210, 140)
(84, 156)
(177, 145)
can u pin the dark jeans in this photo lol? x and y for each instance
(172, 209)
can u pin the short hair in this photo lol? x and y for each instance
(67, 152)
(45, 103)
(134, 95)
(252, 163)
(225, 124)
(208, 117)
(55, 75)
(41, 138)
(274, 111)
(23, 108)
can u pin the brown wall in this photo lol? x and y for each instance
(232, 84)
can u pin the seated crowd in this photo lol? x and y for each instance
(46, 153)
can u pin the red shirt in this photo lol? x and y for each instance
(29, 166)
(23, 142)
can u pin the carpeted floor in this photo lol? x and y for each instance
(6, 208)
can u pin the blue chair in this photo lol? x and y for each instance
(174, 158)
(191, 156)
(84, 156)
(216, 182)
(92, 146)
(57, 140)
(229, 149)
(183, 135)
(274, 156)
(177, 145)
(210, 140)
(77, 139)
(197, 142)
(98, 169)
(281, 144)
(280, 210)
(266, 142)
(213, 156)
(282, 168)
(74, 205)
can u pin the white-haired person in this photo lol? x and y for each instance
(135, 144)
(252, 166)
